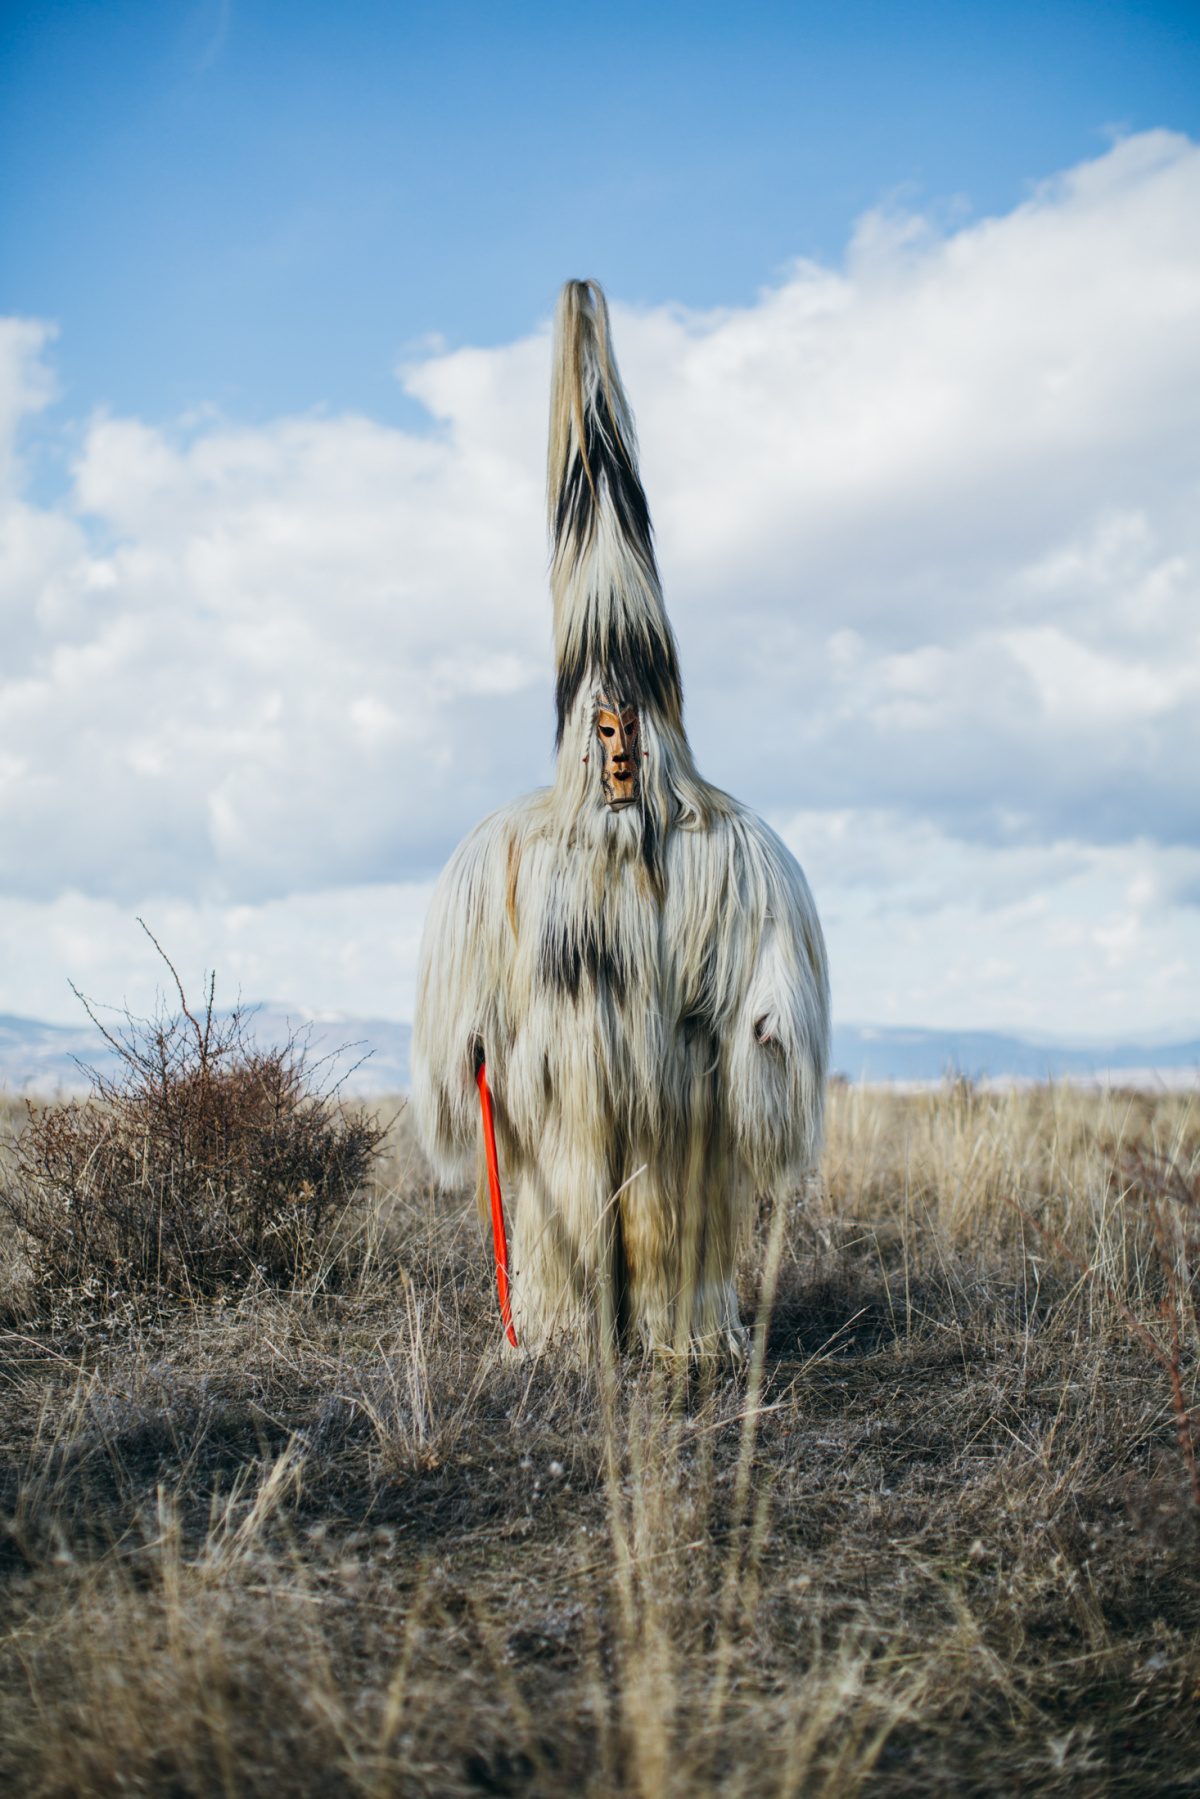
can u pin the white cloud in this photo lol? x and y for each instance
(928, 525)
(1067, 938)
(344, 951)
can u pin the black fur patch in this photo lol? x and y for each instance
(638, 664)
(651, 845)
(636, 668)
(622, 1297)
(612, 471)
(571, 951)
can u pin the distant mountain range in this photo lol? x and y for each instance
(359, 1055)
(893, 1053)
(370, 1055)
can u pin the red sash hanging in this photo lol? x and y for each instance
(498, 1236)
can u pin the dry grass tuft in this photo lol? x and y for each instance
(938, 1538)
(1171, 1200)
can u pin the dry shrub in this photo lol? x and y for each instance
(206, 1164)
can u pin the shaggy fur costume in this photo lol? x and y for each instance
(648, 985)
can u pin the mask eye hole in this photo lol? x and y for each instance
(606, 731)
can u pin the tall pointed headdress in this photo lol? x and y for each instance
(611, 630)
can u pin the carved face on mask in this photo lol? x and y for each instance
(617, 730)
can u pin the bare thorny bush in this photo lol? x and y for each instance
(935, 1538)
(206, 1163)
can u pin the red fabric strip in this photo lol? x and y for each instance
(498, 1236)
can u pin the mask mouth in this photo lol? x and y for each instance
(618, 736)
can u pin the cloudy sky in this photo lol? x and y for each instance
(907, 300)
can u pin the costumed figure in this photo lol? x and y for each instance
(636, 957)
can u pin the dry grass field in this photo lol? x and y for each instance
(938, 1538)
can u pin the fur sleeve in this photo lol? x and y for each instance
(460, 976)
(778, 1048)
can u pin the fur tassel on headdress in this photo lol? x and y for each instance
(610, 624)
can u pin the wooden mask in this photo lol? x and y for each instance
(617, 729)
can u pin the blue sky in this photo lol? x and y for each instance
(261, 205)
(907, 299)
